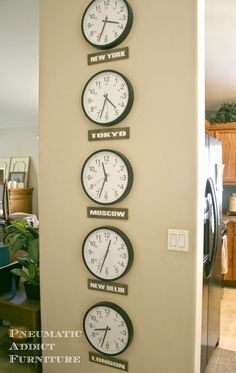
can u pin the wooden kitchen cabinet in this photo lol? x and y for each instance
(230, 277)
(226, 133)
(21, 200)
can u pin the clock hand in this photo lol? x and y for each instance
(105, 21)
(105, 179)
(103, 105)
(102, 186)
(103, 329)
(104, 171)
(111, 21)
(107, 328)
(111, 103)
(98, 181)
(105, 256)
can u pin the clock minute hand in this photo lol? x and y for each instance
(107, 328)
(105, 256)
(102, 187)
(103, 106)
(104, 24)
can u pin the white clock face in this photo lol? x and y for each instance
(108, 328)
(107, 98)
(107, 177)
(107, 253)
(106, 23)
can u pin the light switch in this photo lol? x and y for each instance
(178, 239)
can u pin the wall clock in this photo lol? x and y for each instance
(106, 23)
(108, 328)
(107, 253)
(107, 98)
(107, 177)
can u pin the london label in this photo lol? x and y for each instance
(111, 287)
(111, 55)
(108, 361)
(107, 213)
(112, 134)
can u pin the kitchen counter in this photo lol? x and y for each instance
(229, 219)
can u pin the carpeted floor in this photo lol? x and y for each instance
(222, 361)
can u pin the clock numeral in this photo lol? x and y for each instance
(98, 238)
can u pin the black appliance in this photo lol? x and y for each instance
(212, 277)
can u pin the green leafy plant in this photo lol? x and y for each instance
(29, 271)
(226, 113)
(22, 236)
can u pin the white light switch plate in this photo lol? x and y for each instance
(178, 239)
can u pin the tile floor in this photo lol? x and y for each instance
(223, 359)
(228, 320)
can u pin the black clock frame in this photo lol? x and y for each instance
(125, 317)
(128, 245)
(122, 36)
(130, 176)
(128, 106)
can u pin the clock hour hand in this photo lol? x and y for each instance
(104, 171)
(105, 256)
(104, 24)
(105, 179)
(111, 102)
(111, 21)
(102, 329)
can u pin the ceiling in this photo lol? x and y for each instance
(220, 52)
(19, 58)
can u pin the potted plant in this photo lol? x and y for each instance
(23, 242)
(22, 238)
(225, 114)
(30, 274)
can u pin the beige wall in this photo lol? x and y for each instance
(21, 142)
(162, 151)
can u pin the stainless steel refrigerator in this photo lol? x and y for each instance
(212, 278)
